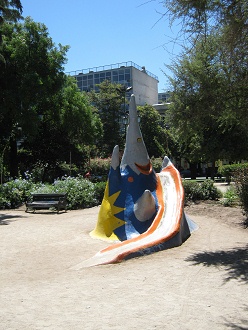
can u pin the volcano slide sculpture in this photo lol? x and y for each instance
(141, 212)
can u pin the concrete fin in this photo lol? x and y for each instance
(135, 149)
(145, 207)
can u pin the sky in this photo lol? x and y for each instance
(103, 32)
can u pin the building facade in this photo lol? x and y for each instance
(164, 97)
(144, 84)
(163, 103)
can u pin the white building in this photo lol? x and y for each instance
(144, 84)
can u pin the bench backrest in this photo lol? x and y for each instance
(49, 197)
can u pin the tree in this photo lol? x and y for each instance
(66, 131)
(108, 101)
(10, 10)
(224, 77)
(228, 19)
(154, 135)
(199, 16)
(31, 75)
(85, 125)
(199, 107)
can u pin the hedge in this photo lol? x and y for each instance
(228, 170)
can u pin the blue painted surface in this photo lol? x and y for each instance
(131, 187)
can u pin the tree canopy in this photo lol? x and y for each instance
(200, 110)
(209, 79)
(39, 104)
(10, 10)
(65, 130)
(109, 101)
(153, 132)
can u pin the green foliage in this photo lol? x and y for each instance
(99, 188)
(230, 197)
(10, 10)
(240, 177)
(200, 111)
(154, 135)
(205, 190)
(41, 105)
(192, 191)
(58, 143)
(100, 166)
(30, 77)
(81, 193)
(75, 108)
(15, 192)
(108, 101)
(209, 100)
(209, 191)
(228, 170)
(157, 164)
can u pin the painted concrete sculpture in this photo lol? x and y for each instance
(141, 210)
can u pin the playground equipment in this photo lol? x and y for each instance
(141, 212)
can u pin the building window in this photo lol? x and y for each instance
(102, 77)
(108, 75)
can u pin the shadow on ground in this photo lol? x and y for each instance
(238, 327)
(243, 324)
(5, 219)
(234, 261)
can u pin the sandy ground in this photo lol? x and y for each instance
(202, 284)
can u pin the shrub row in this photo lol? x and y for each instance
(239, 174)
(195, 191)
(100, 167)
(228, 171)
(82, 193)
(240, 178)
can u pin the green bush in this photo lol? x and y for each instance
(230, 197)
(100, 166)
(228, 170)
(157, 164)
(15, 192)
(192, 191)
(205, 190)
(81, 193)
(209, 191)
(240, 177)
(99, 191)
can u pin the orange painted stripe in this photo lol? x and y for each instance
(145, 169)
(176, 227)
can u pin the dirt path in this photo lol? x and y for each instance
(201, 285)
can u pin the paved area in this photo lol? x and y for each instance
(202, 284)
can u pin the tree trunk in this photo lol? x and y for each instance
(193, 169)
(13, 160)
(213, 170)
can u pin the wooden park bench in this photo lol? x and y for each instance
(47, 201)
